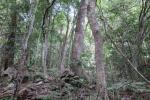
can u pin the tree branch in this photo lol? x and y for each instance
(45, 14)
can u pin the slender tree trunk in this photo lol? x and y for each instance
(24, 50)
(76, 66)
(99, 58)
(22, 73)
(44, 54)
(70, 37)
(8, 49)
(64, 49)
(27, 36)
(50, 53)
(46, 21)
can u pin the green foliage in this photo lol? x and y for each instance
(118, 18)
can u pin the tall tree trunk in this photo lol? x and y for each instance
(45, 32)
(76, 66)
(64, 48)
(22, 73)
(27, 36)
(24, 54)
(44, 54)
(70, 41)
(8, 51)
(100, 68)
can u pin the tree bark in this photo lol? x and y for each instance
(77, 48)
(99, 58)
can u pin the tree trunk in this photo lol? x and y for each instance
(78, 41)
(46, 21)
(24, 53)
(8, 51)
(100, 68)
(70, 41)
(44, 54)
(64, 49)
(24, 50)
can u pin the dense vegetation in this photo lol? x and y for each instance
(74, 49)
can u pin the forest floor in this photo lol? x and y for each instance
(66, 87)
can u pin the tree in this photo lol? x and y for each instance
(99, 58)
(22, 71)
(43, 37)
(64, 47)
(45, 33)
(77, 48)
(29, 32)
